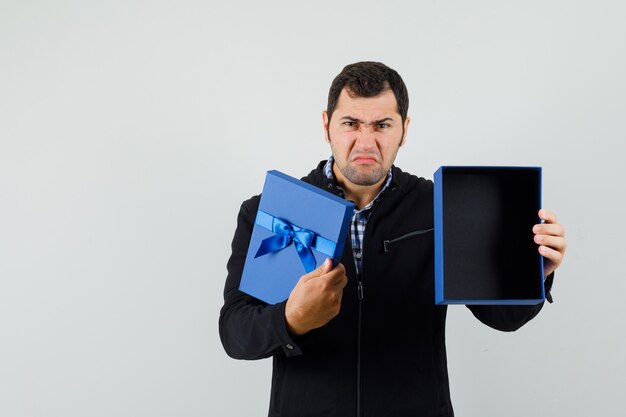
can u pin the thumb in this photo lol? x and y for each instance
(324, 268)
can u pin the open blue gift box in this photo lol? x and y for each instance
(484, 247)
(297, 227)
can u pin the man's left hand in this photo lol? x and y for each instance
(550, 236)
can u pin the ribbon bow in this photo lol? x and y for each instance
(286, 234)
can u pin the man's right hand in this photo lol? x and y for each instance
(315, 299)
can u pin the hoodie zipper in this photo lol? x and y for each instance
(360, 296)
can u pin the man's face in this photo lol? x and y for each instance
(365, 135)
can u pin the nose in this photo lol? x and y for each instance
(365, 139)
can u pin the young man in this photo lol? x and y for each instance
(365, 337)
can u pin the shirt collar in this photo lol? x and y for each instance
(328, 171)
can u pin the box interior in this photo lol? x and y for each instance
(488, 241)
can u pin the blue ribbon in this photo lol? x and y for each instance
(286, 234)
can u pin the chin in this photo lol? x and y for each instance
(363, 175)
(366, 179)
(366, 183)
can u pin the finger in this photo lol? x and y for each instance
(337, 277)
(336, 282)
(343, 281)
(554, 242)
(549, 229)
(327, 266)
(324, 268)
(547, 216)
(553, 255)
(339, 267)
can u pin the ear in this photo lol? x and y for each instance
(406, 129)
(325, 122)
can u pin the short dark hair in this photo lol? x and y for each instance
(368, 79)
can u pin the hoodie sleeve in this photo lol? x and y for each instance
(250, 328)
(509, 318)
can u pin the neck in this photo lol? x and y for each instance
(362, 195)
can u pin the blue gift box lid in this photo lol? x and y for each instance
(287, 200)
(484, 247)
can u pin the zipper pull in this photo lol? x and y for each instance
(360, 288)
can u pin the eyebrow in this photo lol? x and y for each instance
(375, 122)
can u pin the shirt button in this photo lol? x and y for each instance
(358, 255)
(289, 347)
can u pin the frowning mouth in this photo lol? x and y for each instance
(365, 159)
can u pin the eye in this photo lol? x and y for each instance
(383, 125)
(349, 124)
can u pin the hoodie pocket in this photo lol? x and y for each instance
(388, 244)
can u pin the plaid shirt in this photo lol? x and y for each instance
(359, 218)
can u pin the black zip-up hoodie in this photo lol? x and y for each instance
(384, 354)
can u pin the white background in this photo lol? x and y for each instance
(131, 131)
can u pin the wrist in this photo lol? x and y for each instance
(293, 326)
